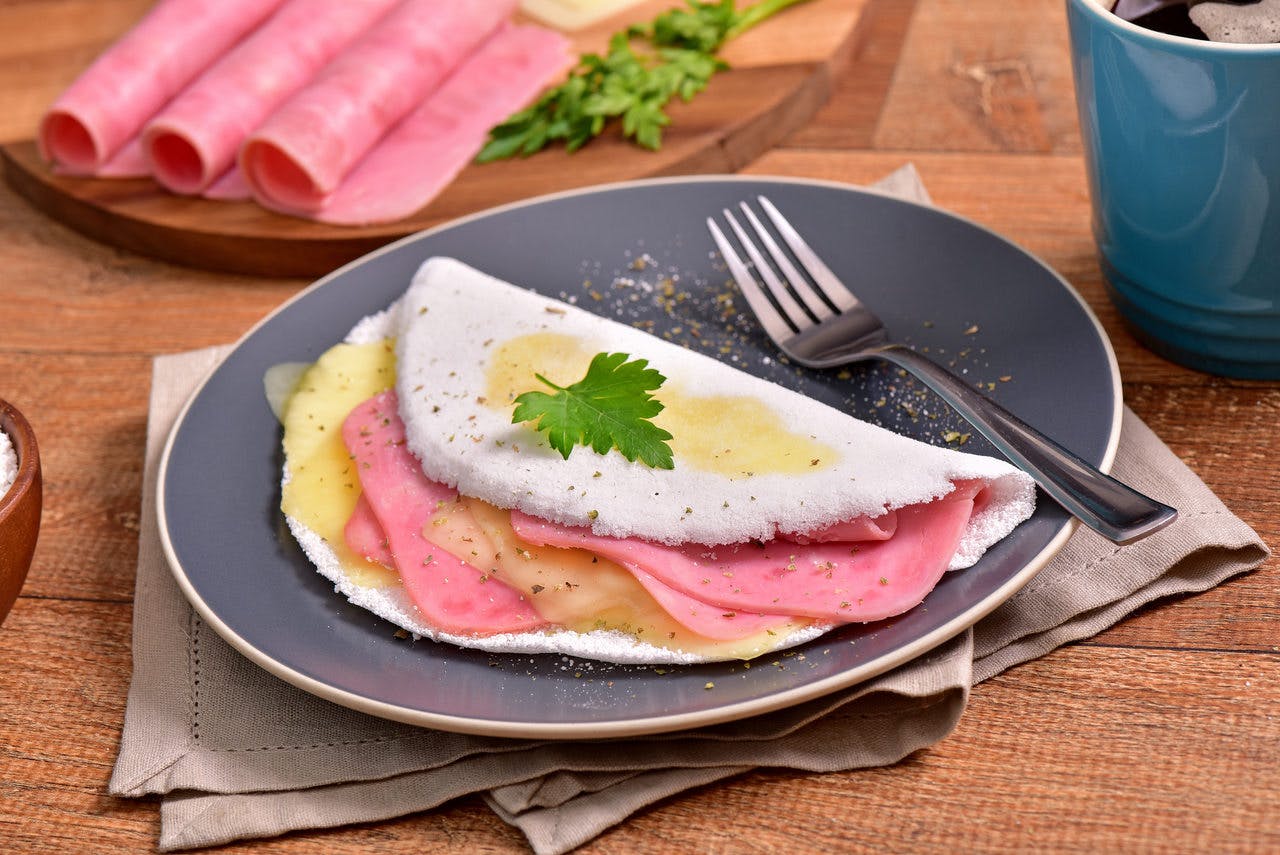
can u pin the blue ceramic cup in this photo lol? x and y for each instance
(1182, 144)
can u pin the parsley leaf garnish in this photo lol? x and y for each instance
(675, 56)
(608, 408)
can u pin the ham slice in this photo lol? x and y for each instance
(854, 530)
(706, 619)
(195, 138)
(427, 150)
(364, 535)
(128, 162)
(107, 105)
(452, 596)
(304, 150)
(840, 582)
(231, 187)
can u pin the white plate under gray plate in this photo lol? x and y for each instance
(938, 281)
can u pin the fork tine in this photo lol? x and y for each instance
(774, 324)
(787, 305)
(815, 304)
(836, 292)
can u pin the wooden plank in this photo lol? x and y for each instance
(88, 545)
(860, 89)
(983, 77)
(1085, 750)
(1106, 748)
(64, 292)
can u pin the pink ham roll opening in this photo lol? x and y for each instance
(69, 142)
(176, 162)
(107, 105)
(304, 150)
(277, 179)
(195, 138)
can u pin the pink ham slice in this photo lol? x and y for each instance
(422, 154)
(303, 151)
(128, 162)
(839, 582)
(107, 105)
(452, 596)
(702, 617)
(195, 138)
(231, 187)
(365, 537)
(859, 529)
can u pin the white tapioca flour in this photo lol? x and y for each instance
(8, 464)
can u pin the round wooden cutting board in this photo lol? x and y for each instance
(781, 73)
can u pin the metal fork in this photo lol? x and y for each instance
(834, 328)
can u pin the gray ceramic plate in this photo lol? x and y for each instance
(631, 251)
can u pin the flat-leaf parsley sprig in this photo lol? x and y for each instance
(676, 56)
(610, 407)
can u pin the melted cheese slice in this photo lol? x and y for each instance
(322, 486)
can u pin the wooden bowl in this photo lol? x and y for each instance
(19, 508)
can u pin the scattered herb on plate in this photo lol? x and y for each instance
(644, 68)
(610, 407)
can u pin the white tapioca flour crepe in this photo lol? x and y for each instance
(455, 323)
(781, 518)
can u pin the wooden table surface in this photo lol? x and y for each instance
(1162, 733)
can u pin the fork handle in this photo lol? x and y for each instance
(1109, 507)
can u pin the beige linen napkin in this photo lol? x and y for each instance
(237, 753)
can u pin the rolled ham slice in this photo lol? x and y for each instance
(107, 105)
(195, 138)
(304, 150)
(422, 154)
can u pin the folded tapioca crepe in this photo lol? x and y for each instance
(409, 486)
